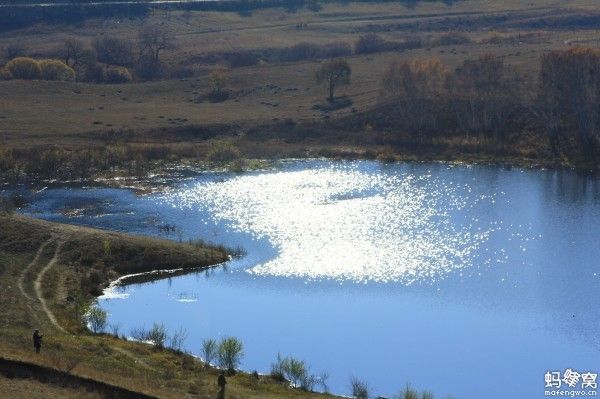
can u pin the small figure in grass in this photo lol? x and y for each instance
(221, 381)
(37, 341)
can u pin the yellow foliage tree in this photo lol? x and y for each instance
(24, 68)
(56, 70)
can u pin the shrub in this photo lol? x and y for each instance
(360, 389)
(178, 338)
(300, 51)
(241, 59)
(96, 319)
(24, 68)
(335, 49)
(56, 70)
(278, 368)
(117, 75)
(297, 372)
(5, 74)
(409, 393)
(114, 50)
(148, 68)
(13, 50)
(157, 335)
(139, 334)
(210, 351)
(91, 72)
(223, 153)
(369, 43)
(231, 352)
(218, 82)
(452, 39)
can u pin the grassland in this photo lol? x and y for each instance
(48, 270)
(270, 113)
(76, 113)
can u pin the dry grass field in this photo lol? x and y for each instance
(71, 113)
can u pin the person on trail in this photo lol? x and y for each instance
(37, 341)
(221, 381)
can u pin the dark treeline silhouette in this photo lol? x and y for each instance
(15, 17)
(15, 14)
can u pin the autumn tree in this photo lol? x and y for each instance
(548, 106)
(24, 68)
(569, 87)
(333, 73)
(413, 90)
(483, 95)
(56, 70)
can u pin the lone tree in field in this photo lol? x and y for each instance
(333, 73)
(153, 39)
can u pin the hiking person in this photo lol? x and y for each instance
(37, 341)
(221, 381)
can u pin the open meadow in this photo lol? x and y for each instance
(37, 112)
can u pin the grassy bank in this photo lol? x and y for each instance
(239, 147)
(49, 271)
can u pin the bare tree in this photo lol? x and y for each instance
(570, 85)
(74, 52)
(484, 94)
(114, 50)
(413, 90)
(153, 39)
(548, 107)
(333, 73)
(14, 49)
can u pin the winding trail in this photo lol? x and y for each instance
(29, 266)
(40, 298)
(42, 301)
(38, 288)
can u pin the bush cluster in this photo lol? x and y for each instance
(27, 68)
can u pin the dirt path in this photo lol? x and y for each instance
(38, 287)
(42, 301)
(29, 266)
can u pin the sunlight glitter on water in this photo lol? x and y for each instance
(346, 224)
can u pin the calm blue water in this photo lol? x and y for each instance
(470, 282)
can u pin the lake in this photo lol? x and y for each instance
(467, 281)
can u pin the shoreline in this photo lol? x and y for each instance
(193, 167)
(70, 348)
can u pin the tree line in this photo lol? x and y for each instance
(107, 59)
(420, 100)
(19, 14)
